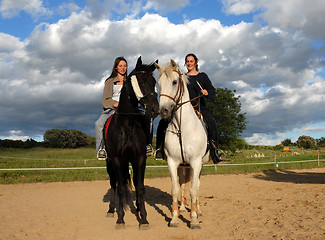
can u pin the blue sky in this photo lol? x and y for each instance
(55, 55)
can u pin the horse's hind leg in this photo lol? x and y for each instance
(112, 205)
(183, 182)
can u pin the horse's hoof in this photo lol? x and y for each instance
(109, 215)
(144, 226)
(120, 226)
(195, 226)
(182, 208)
(173, 224)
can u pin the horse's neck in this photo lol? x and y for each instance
(125, 103)
(185, 115)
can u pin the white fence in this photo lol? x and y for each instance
(276, 164)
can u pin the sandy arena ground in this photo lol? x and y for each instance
(271, 205)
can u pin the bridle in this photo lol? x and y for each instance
(179, 94)
(141, 99)
(148, 94)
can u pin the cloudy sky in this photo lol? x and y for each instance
(55, 55)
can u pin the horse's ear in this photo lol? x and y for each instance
(173, 64)
(139, 63)
(160, 68)
(153, 66)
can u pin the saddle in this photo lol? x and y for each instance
(106, 126)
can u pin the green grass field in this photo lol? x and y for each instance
(240, 162)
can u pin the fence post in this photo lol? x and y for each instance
(276, 165)
(318, 159)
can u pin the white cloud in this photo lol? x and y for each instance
(22, 138)
(265, 139)
(297, 15)
(35, 8)
(67, 8)
(9, 43)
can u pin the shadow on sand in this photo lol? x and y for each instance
(156, 198)
(292, 176)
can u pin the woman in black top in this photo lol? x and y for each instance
(199, 85)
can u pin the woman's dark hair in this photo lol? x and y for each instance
(195, 58)
(114, 70)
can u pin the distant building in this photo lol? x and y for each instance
(287, 148)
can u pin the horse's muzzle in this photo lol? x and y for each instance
(166, 112)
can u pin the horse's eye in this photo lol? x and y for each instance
(174, 82)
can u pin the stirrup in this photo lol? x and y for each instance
(149, 150)
(221, 154)
(101, 155)
(158, 155)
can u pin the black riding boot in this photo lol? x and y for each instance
(148, 128)
(214, 152)
(212, 135)
(160, 139)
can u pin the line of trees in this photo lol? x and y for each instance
(306, 142)
(54, 138)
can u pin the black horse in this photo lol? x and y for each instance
(126, 141)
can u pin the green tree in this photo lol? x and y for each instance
(242, 144)
(320, 142)
(225, 108)
(287, 142)
(65, 138)
(306, 142)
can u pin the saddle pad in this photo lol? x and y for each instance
(107, 124)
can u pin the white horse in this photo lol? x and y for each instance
(186, 138)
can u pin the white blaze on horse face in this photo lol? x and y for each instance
(136, 87)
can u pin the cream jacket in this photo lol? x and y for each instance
(107, 100)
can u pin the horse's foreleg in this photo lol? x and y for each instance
(175, 193)
(120, 210)
(138, 179)
(122, 193)
(194, 192)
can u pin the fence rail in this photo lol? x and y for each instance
(164, 166)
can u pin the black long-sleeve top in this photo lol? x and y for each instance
(195, 90)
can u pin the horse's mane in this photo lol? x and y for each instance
(144, 67)
(170, 69)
